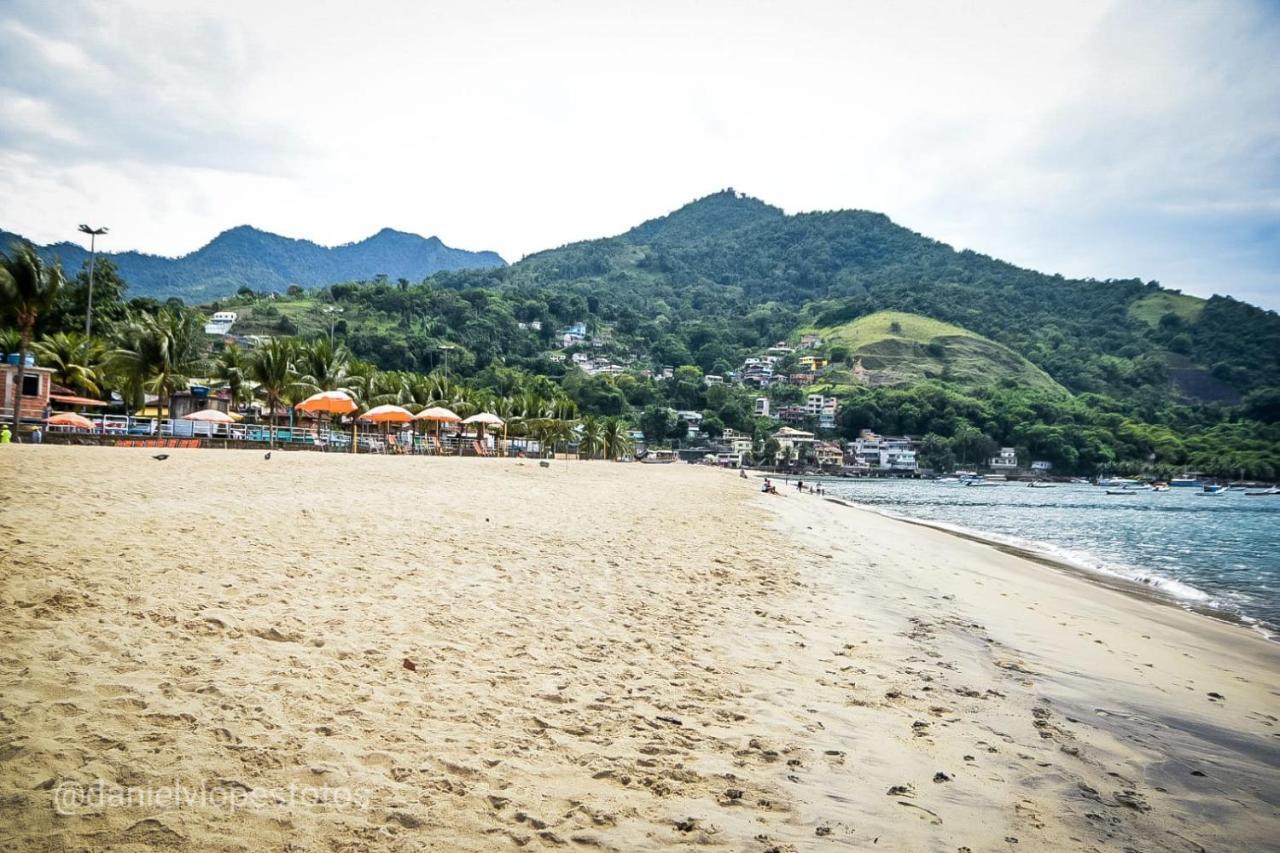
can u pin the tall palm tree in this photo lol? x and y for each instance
(158, 352)
(590, 437)
(229, 371)
(28, 288)
(616, 438)
(322, 366)
(77, 362)
(272, 369)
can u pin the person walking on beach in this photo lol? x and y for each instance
(5, 435)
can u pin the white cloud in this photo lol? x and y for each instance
(1096, 139)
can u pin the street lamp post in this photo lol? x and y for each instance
(93, 257)
(331, 310)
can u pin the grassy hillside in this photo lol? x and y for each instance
(1150, 309)
(897, 348)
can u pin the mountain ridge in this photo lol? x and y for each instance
(246, 256)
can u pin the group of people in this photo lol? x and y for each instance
(771, 488)
(6, 437)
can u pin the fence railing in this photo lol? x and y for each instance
(369, 439)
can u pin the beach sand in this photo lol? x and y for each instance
(336, 652)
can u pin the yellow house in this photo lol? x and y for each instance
(814, 362)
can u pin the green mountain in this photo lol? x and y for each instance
(729, 272)
(261, 261)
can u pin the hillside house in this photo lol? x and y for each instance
(1007, 460)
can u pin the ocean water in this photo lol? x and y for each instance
(1218, 552)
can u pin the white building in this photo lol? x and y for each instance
(740, 442)
(884, 453)
(220, 323)
(762, 407)
(792, 439)
(1006, 461)
(823, 408)
(712, 379)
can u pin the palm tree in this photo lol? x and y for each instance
(272, 369)
(28, 287)
(77, 362)
(617, 439)
(158, 352)
(590, 437)
(229, 372)
(322, 366)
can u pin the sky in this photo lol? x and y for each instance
(1091, 138)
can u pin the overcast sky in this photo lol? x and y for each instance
(1093, 138)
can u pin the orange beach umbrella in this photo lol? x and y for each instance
(70, 419)
(388, 415)
(332, 402)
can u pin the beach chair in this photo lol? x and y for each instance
(124, 443)
(481, 450)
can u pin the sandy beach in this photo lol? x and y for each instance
(336, 652)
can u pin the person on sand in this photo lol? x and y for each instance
(766, 486)
(742, 474)
(5, 435)
(800, 486)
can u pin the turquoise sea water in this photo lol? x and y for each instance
(1222, 552)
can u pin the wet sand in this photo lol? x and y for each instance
(399, 654)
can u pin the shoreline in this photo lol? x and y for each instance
(1116, 582)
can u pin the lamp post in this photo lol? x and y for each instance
(331, 310)
(93, 257)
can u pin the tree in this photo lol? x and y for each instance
(229, 371)
(157, 352)
(28, 288)
(272, 369)
(590, 437)
(617, 438)
(77, 361)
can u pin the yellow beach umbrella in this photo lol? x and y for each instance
(438, 415)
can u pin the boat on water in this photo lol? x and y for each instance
(1035, 484)
(1274, 490)
(1159, 487)
(1080, 481)
(1213, 490)
(1186, 482)
(1117, 482)
(1122, 491)
(980, 483)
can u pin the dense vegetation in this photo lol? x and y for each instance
(1090, 375)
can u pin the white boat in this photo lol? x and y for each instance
(1122, 491)
(1210, 491)
(1035, 485)
(1116, 482)
(1186, 482)
(1274, 490)
(980, 483)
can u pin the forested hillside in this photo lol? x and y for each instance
(964, 350)
(246, 257)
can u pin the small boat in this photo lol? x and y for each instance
(1116, 482)
(1038, 485)
(1159, 487)
(1210, 491)
(980, 483)
(1121, 492)
(1190, 482)
(1274, 490)
(1080, 481)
